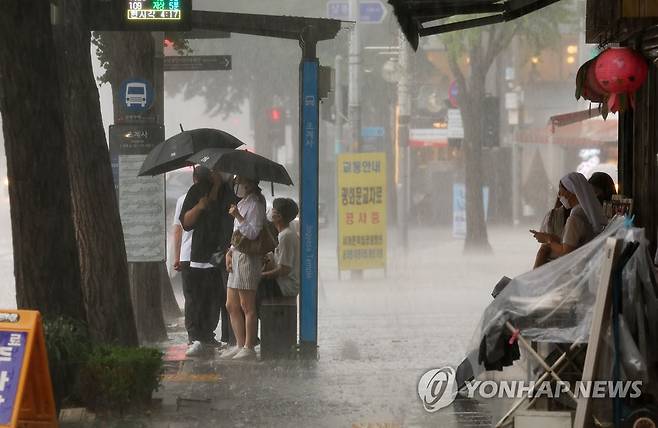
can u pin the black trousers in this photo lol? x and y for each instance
(205, 298)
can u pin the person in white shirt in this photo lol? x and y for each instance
(182, 239)
(282, 277)
(244, 269)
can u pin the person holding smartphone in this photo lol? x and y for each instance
(586, 219)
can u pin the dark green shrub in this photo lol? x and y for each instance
(68, 346)
(117, 378)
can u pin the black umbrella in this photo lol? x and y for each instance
(243, 163)
(173, 153)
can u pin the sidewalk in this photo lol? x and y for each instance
(377, 336)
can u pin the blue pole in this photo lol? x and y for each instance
(309, 155)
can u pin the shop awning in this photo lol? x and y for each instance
(582, 133)
(418, 18)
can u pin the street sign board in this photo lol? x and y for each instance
(140, 15)
(371, 12)
(154, 10)
(197, 63)
(136, 95)
(141, 199)
(361, 210)
(338, 9)
(372, 132)
(455, 124)
(198, 34)
(459, 208)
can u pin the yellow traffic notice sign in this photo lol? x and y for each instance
(26, 394)
(361, 211)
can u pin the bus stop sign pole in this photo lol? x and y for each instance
(309, 160)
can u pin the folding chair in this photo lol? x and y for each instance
(553, 371)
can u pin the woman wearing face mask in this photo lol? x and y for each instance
(585, 220)
(244, 269)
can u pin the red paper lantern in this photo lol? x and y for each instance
(588, 86)
(620, 72)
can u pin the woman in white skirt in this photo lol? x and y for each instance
(244, 270)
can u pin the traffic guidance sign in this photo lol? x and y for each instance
(371, 12)
(338, 9)
(136, 95)
(197, 62)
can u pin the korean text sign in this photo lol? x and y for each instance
(362, 211)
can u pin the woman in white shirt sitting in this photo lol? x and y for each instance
(244, 270)
(585, 221)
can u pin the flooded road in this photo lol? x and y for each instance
(377, 336)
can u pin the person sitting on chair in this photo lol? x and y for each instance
(586, 219)
(281, 275)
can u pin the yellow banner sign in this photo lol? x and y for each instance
(361, 211)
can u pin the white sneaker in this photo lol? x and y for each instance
(195, 349)
(230, 353)
(245, 354)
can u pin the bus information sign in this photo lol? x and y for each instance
(154, 10)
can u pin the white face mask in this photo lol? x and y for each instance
(241, 191)
(565, 202)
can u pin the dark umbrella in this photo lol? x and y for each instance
(173, 153)
(243, 163)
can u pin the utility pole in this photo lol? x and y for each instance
(403, 116)
(338, 104)
(354, 95)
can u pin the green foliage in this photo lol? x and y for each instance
(68, 346)
(100, 377)
(537, 31)
(103, 41)
(117, 378)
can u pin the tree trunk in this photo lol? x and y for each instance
(131, 54)
(98, 227)
(145, 293)
(45, 255)
(477, 239)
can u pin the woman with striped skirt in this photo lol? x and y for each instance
(244, 270)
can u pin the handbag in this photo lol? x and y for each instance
(266, 241)
(218, 258)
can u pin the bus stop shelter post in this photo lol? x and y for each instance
(309, 184)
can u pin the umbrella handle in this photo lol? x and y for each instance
(272, 183)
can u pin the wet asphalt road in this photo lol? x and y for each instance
(377, 336)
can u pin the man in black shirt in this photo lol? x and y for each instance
(205, 210)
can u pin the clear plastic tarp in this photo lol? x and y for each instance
(555, 303)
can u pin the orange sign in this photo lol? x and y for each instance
(26, 393)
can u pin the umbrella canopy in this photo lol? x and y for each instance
(175, 151)
(242, 163)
